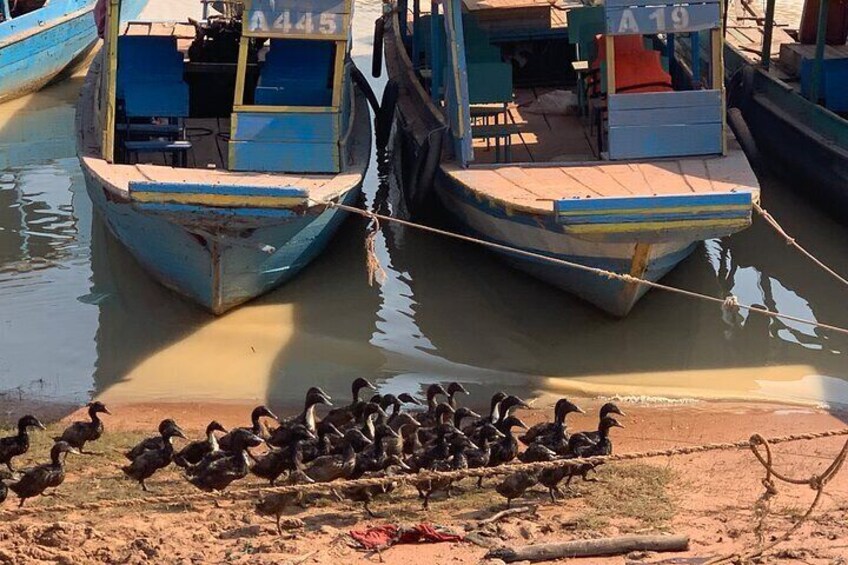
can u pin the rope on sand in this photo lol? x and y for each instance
(626, 278)
(251, 493)
(815, 482)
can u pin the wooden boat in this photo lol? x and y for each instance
(39, 40)
(794, 97)
(213, 154)
(39, 43)
(632, 187)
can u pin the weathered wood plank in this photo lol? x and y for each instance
(665, 177)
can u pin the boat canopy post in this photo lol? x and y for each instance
(821, 36)
(768, 29)
(456, 93)
(110, 48)
(435, 53)
(7, 14)
(416, 15)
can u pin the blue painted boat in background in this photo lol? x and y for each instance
(628, 172)
(261, 143)
(37, 46)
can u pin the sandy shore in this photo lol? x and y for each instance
(709, 497)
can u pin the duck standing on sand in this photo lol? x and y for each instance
(35, 480)
(194, 452)
(606, 410)
(18, 444)
(276, 503)
(515, 485)
(257, 428)
(80, 433)
(581, 445)
(219, 469)
(392, 466)
(153, 443)
(279, 460)
(148, 462)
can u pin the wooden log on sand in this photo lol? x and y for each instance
(590, 548)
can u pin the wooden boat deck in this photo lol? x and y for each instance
(543, 137)
(534, 187)
(745, 33)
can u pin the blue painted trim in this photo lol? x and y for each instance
(237, 190)
(653, 202)
(193, 209)
(695, 38)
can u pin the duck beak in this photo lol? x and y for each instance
(473, 414)
(39, 425)
(106, 411)
(618, 425)
(391, 433)
(402, 464)
(620, 412)
(370, 385)
(73, 450)
(577, 409)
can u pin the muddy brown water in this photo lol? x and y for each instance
(79, 318)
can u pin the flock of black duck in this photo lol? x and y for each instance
(374, 437)
(34, 481)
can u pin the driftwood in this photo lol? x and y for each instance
(504, 513)
(590, 548)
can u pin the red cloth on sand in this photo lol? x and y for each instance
(380, 537)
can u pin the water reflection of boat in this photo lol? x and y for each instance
(497, 320)
(277, 141)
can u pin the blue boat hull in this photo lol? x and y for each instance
(477, 219)
(37, 47)
(223, 269)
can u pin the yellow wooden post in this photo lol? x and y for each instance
(338, 72)
(718, 81)
(241, 71)
(610, 41)
(113, 17)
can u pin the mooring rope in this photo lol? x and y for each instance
(816, 482)
(249, 492)
(728, 302)
(791, 241)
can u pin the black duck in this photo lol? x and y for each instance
(194, 452)
(281, 436)
(323, 444)
(276, 503)
(562, 408)
(492, 418)
(406, 426)
(79, 433)
(217, 470)
(372, 458)
(331, 467)
(392, 466)
(606, 410)
(279, 460)
(18, 444)
(35, 480)
(581, 445)
(515, 485)
(506, 449)
(257, 428)
(456, 461)
(154, 443)
(479, 457)
(453, 390)
(149, 461)
(428, 418)
(346, 415)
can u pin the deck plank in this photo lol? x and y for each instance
(731, 173)
(696, 174)
(595, 180)
(665, 177)
(629, 176)
(553, 183)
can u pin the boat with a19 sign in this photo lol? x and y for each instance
(214, 150)
(566, 130)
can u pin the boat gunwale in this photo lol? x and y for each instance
(49, 25)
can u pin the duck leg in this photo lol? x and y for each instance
(480, 482)
(9, 465)
(279, 526)
(143, 486)
(552, 491)
(368, 509)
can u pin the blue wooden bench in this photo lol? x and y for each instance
(177, 149)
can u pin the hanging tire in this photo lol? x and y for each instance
(377, 53)
(366, 89)
(386, 115)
